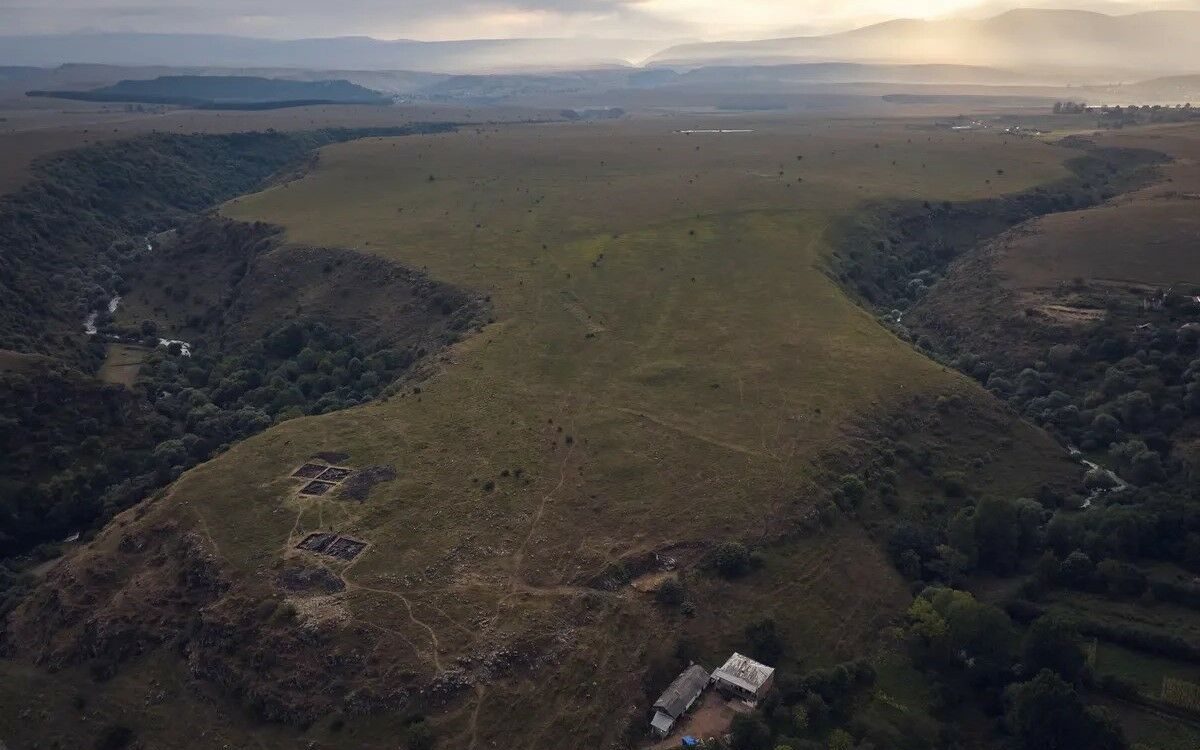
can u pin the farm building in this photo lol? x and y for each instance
(743, 677)
(678, 698)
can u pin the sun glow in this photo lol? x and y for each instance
(723, 19)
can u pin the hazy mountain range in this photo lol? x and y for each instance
(360, 53)
(225, 91)
(1161, 41)
(1033, 45)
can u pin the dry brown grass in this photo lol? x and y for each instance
(1149, 236)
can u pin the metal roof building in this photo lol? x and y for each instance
(744, 677)
(678, 698)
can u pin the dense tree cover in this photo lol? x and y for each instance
(65, 441)
(1117, 116)
(1123, 391)
(891, 262)
(959, 634)
(1070, 108)
(996, 535)
(65, 235)
(75, 451)
(1047, 714)
(970, 649)
(806, 707)
(1052, 643)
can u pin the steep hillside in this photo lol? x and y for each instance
(1086, 321)
(67, 233)
(268, 334)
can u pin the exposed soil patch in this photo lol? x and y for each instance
(709, 720)
(345, 548)
(649, 583)
(323, 477)
(335, 474)
(1071, 315)
(633, 567)
(310, 581)
(316, 488)
(317, 541)
(358, 485)
(328, 543)
(309, 471)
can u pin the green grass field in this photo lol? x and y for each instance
(121, 364)
(1171, 619)
(668, 367)
(1144, 670)
(1146, 729)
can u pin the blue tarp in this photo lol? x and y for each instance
(690, 741)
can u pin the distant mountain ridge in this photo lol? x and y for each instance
(224, 90)
(362, 53)
(1027, 39)
(1029, 44)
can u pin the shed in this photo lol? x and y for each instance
(744, 677)
(678, 698)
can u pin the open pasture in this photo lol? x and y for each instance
(121, 364)
(668, 364)
(669, 367)
(33, 128)
(1148, 236)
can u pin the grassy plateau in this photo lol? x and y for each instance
(669, 367)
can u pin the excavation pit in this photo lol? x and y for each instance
(309, 471)
(335, 474)
(316, 488)
(345, 548)
(318, 541)
(328, 543)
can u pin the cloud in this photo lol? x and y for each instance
(300, 18)
(449, 19)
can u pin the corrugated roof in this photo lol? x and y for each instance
(662, 722)
(744, 672)
(676, 698)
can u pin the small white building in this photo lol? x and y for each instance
(677, 699)
(743, 677)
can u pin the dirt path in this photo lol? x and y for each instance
(473, 725)
(435, 646)
(690, 432)
(519, 555)
(207, 532)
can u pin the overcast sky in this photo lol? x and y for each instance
(462, 19)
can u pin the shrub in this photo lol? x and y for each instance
(419, 736)
(840, 739)
(1076, 569)
(763, 642)
(800, 718)
(114, 737)
(670, 593)
(1052, 643)
(732, 559)
(749, 732)
(850, 491)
